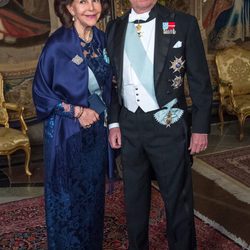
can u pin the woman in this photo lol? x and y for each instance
(73, 68)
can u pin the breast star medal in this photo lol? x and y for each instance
(177, 82)
(177, 65)
(169, 119)
(139, 29)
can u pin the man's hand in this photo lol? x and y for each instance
(115, 138)
(198, 143)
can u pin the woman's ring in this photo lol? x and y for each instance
(87, 126)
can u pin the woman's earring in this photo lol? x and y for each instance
(73, 18)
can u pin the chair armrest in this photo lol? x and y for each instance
(19, 109)
(225, 83)
(12, 106)
(231, 92)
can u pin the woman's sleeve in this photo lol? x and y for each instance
(59, 110)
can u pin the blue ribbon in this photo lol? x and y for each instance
(169, 115)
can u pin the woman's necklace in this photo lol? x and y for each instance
(87, 36)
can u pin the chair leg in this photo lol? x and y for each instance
(221, 119)
(27, 160)
(9, 164)
(241, 119)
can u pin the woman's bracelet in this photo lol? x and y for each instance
(79, 114)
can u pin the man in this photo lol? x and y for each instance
(148, 115)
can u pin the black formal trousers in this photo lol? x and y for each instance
(146, 144)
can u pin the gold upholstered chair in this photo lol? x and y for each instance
(12, 139)
(233, 66)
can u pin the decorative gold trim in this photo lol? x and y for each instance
(26, 145)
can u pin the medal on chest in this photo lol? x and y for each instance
(138, 27)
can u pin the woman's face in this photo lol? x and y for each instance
(85, 12)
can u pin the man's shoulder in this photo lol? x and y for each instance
(118, 19)
(123, 17)
(185, 17)
(111, 26)
(179, 15)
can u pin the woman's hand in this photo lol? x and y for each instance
(88, 117)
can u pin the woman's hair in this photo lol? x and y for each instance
(64, 15)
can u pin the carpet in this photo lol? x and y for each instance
(22, 226)
(230, 169)
(235, 163)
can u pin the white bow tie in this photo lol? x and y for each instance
(134, 16)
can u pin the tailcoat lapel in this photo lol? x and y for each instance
(162, 41)
(120, 34)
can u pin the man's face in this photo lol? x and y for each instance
(141, 6)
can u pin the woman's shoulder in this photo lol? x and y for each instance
(100, 36)
(99, 32)
(59, 38)
(57, 42)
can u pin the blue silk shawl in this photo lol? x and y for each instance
(58, 79)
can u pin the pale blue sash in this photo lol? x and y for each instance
(139, 60)
(93, 85)
(94, 88)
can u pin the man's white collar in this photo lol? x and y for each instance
(133, 16)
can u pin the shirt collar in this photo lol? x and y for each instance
(133, 16)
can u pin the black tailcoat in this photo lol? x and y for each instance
(147, 144)
(192, 51)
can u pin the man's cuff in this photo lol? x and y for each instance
(114, 125)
